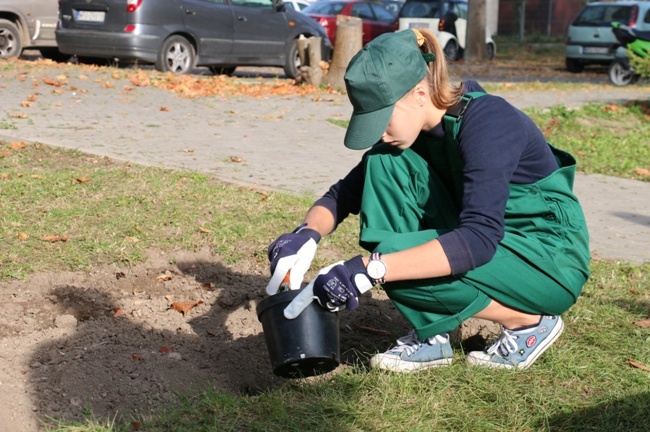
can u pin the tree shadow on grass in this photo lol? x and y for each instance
(628, 414)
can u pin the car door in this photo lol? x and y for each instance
(41, 17)
(460, 11)
(211, 23)
(260, 30)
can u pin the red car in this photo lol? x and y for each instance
(376, 18)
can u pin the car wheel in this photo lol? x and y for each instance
(176, 56)
(451, 51)
(10, 44)
(574, 66)
(293, 64)
(54, 54)
(491, 49)
(621, 75)
(218, 70)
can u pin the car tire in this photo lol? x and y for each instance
(219, 70)
(54, 54)
(451, 51)
(176, 55)
(293, 64)
(620, 74)
(10, 44)
(491, 50)
(573, 65)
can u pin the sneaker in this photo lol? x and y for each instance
(412, 355)
(519, 348)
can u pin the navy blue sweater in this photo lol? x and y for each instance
(499, 145)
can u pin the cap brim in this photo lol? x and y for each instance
(365, 130)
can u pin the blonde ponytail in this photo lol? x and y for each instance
(443, 93)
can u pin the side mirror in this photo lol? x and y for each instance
(278, 5)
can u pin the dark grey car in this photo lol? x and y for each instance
(28, 24)
(177, 35)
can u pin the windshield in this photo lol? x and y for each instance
(420, 9)
(602, 16)
(324, 8)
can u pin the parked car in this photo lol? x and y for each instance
(447, 19)
(297, 5)
(590, 40)
(393, 6)
(29, 24)
(177, 35)
(375, 17)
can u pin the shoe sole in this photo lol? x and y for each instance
(398, 365)
(546, 343)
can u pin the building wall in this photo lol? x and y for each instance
(543, 17)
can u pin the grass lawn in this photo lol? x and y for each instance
(595, 378)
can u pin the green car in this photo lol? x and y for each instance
(590, 40)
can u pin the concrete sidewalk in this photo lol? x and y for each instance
(278, 143)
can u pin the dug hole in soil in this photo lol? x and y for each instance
(109, 342)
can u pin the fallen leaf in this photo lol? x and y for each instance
(54, 238)
(166, 349)
(4, 153)
(165, 277)
(236, 159)
(643, 172)
(164, 108)
(116, 75)
(186, 150)
(638, 365)
(184, 306)
(135, 357)
(32, 98)
(644, 323)
(19, 116)
(25, 104)
(23, 236)
(204, 230)
(80, 180)
(37, 176)
(169, 297)
(120, 275)
(18, 145)
(119, 312)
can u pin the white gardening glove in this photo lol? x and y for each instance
(292, 253)
(337, 285)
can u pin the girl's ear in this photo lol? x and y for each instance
(421, 94)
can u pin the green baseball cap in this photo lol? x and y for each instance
(377, 77)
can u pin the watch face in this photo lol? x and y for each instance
(376, 269)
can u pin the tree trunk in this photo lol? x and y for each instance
(347, 43)
(309, 51)
(475, 47)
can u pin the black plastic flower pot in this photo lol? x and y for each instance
(305, 346)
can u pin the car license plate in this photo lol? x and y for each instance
(418, 25)
(90, 16)
(595, 50)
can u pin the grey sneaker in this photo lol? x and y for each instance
(519, 348)
(412, 355)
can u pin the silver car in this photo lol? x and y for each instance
(590, 40)
(177, 35)
(29, 24)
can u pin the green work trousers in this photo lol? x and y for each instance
(539, 267)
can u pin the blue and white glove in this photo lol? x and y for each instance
(292, 252)
(337, 285)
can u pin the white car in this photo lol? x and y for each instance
(447, 19)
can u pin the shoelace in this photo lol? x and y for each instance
(505, 345)
(410, 343)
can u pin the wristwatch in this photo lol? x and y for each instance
(376, 268)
